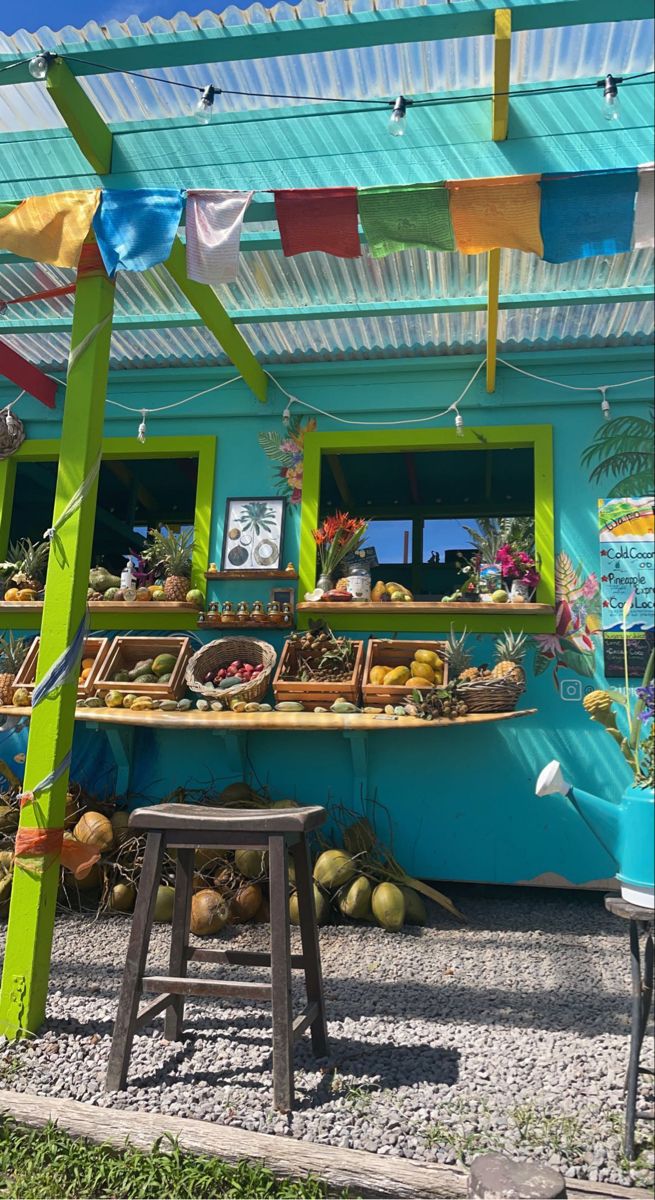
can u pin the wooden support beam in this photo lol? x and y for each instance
(93, 137)
(26, 376)
(334, 463)
(33, 900)
(499, 123)
(208, 306)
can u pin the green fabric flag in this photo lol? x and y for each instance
(395, 218)
(7, 206)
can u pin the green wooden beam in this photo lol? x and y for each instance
(82, 118)
(215, 318)
(335, 312)
(33, 899)
(276, 39)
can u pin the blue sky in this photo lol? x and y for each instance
(35, 13)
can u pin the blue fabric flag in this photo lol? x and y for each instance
(587, 214)
(135, 228)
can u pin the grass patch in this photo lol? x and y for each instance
(36, 1164)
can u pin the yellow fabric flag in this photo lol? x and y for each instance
(50, 229)
(491, 213)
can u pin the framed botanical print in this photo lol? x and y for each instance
(253, 539)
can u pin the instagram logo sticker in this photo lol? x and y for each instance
(570, 689)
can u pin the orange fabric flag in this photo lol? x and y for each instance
(50, 229)
(492, 213)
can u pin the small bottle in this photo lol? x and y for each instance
(243, 614)
(228, 615)
(273, 612)
(286, 613)
(257, 611)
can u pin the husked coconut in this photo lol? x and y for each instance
(209, 912)
(245, 903)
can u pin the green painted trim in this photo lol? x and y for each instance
(498, 437)
(33, 899)
(206, 303)
(231, 43)
(336, 312)
(202, 447)
(93, 137)
(7, 482)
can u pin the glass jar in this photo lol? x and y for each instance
(359, 581)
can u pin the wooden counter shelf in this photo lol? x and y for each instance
(251, 574)
(118, 725)
(427, 616)
(420, 606)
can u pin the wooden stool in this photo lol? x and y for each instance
(641, 921)
(183, 827)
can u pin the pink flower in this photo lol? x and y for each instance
(549, 645)
(289, 447)
(590, 586)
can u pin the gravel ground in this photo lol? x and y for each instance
(510, 1033)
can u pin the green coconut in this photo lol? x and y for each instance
(334, 868)
(285, 804)
(500, 596)
(388, 904)
(252, 863)
(122, 897)
(164, 903)
(415, 911)
(320, 904)
(355, 899)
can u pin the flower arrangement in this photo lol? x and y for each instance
(287, 450)
(517, 564)
(336, 538)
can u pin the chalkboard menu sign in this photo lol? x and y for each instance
(627, 557)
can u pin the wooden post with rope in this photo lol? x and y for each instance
(34, 893)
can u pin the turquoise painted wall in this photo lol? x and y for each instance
(460, 802)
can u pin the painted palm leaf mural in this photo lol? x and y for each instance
(623, 450)
(573, 645)
(287, 451)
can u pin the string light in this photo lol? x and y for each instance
(611, 104)
(459, 423)
(39, 66)
(398, 117)
(605, 406)
(141, 432)
(204, 109)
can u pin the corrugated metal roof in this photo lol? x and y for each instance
(266, 278)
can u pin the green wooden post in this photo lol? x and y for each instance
(7, 483)
(32, 911)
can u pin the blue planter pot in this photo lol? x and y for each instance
(636, 850)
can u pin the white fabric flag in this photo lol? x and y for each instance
(643, 233)
(213, 233)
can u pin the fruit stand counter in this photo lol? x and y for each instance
(119, 725)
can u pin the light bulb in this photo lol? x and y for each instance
(398, 117)
(38, 67)
(611, 104)
(459, 425)
(605, 405)
(12, 423)
(141, 431)
(204, 109)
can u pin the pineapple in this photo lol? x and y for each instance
(510, 652)
(171, 553)
(459, 659)
(27, 564)
(12, 654)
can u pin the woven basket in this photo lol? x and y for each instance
(490, 695)
(221, 653)
(12, 433)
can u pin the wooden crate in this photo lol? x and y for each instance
(320, 695)
(396, 653)
(94, 647)
(126, 652)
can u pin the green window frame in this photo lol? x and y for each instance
(538, 438)
(202, 447)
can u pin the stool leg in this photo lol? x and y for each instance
(281, 975)
(179, 940)
(137, 952)
(635, 1027)
(310, 946)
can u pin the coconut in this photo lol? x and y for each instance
(164, 903)
(95, 829)
(8, 818)
(209, 913)
(252, 863)
(415, 911)
(72, 810)
(88, 883)
(359, 838)
(285, 804)
(355, 899)
(320, 904)
(245, 903)
(237, 793)
(208, 858)
(388, 904)
(122, 897)
(119, 824)
(263, 914)
(333, 868)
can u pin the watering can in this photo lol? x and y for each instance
(624, 829)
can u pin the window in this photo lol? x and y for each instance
(422, 493)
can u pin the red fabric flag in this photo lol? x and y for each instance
(319, 219)
(26, 376)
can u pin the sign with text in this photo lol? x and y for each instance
(627, 556)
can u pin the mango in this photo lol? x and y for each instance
(427, 656)
(418, 682)
(399, 675)
(378, 674)
(399, 587)
(422, 670)
(379, 590)
(142, 704)
(163, 664)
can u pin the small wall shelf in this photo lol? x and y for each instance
(253, 574)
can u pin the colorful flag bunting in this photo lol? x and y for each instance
(491, 213)
(50, 229)
(395, 218)
(318, 219)
(644, 226)
(587, 214)
(213, 232)
(135, 228)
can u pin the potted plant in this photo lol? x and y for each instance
(518, 570)
(336, 538)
